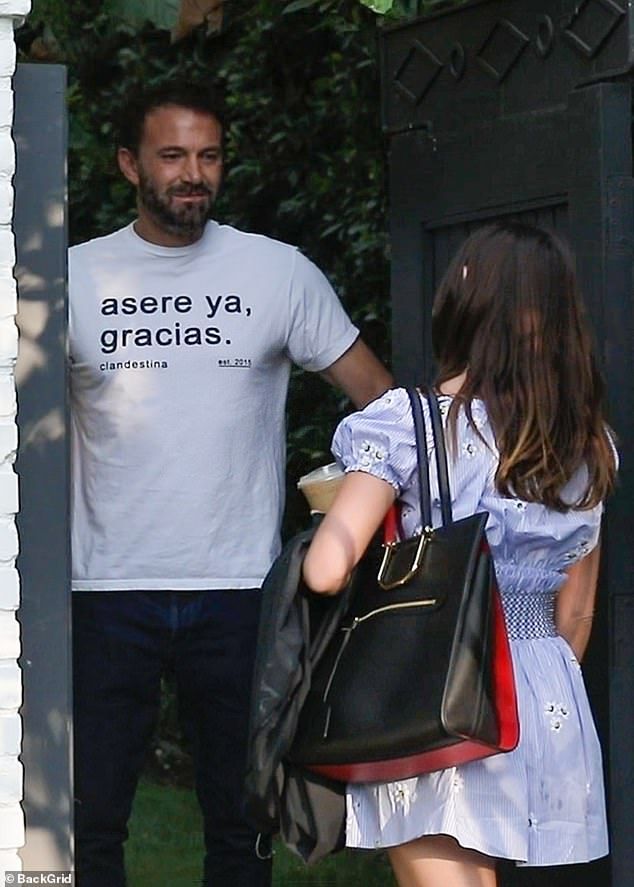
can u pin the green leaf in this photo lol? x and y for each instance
(162, 13)
(296, 5)
(380, 6)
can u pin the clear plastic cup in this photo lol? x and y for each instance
(320, 486)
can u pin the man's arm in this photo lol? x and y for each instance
(360, 374)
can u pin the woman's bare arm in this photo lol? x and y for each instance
(346, 530)
(574, 609)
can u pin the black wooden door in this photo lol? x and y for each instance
(522, 109)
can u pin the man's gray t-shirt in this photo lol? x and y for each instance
(180, 361)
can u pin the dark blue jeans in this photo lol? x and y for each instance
(123, 642)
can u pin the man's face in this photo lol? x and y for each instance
(177, 172)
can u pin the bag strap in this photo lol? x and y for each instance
(423, 461)
(441, 456)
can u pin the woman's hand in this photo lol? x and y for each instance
(346, 530)
(574, 607)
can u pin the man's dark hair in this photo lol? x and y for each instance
(199, 97)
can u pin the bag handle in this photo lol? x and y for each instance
(441, 457)
(423, 461)
(424, 488)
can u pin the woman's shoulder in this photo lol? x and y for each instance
(398, 400)
(393, 409)
(393, 402)
(388, 421)
(387, 416)
(471, 421)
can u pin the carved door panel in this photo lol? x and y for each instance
(509, 108)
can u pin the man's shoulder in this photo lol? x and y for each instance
(270, 254)
(257, 243)
(99, 246)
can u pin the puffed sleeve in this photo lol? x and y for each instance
(379, 440)
(586, 523)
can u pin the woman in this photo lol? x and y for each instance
(521, 400)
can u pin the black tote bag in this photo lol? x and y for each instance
(419, 676)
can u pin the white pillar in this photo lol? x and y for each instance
(12, 12)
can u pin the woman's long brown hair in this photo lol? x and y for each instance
(509, 314)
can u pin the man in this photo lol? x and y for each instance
(182, 336)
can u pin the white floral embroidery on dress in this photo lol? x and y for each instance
(400, 796)
(580, 550)
(469, 449)
(557, 713)
(371, 454)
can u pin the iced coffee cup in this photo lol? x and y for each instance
(320, 487)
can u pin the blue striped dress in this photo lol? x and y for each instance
(542, 804)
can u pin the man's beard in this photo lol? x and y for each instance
(182, 220)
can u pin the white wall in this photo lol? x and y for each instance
(11, 817)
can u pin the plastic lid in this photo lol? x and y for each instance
(325, 472)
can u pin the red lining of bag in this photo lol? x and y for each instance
(391, 525)
(461, 752)
(505, 697)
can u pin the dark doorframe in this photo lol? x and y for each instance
(513, 108)
(42, 465)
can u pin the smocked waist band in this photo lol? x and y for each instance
(529, 615)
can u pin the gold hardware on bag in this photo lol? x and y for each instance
(388, 554)
(388, 608)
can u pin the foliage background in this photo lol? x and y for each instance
(305, 150)
(306, 158)
(306, 161)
